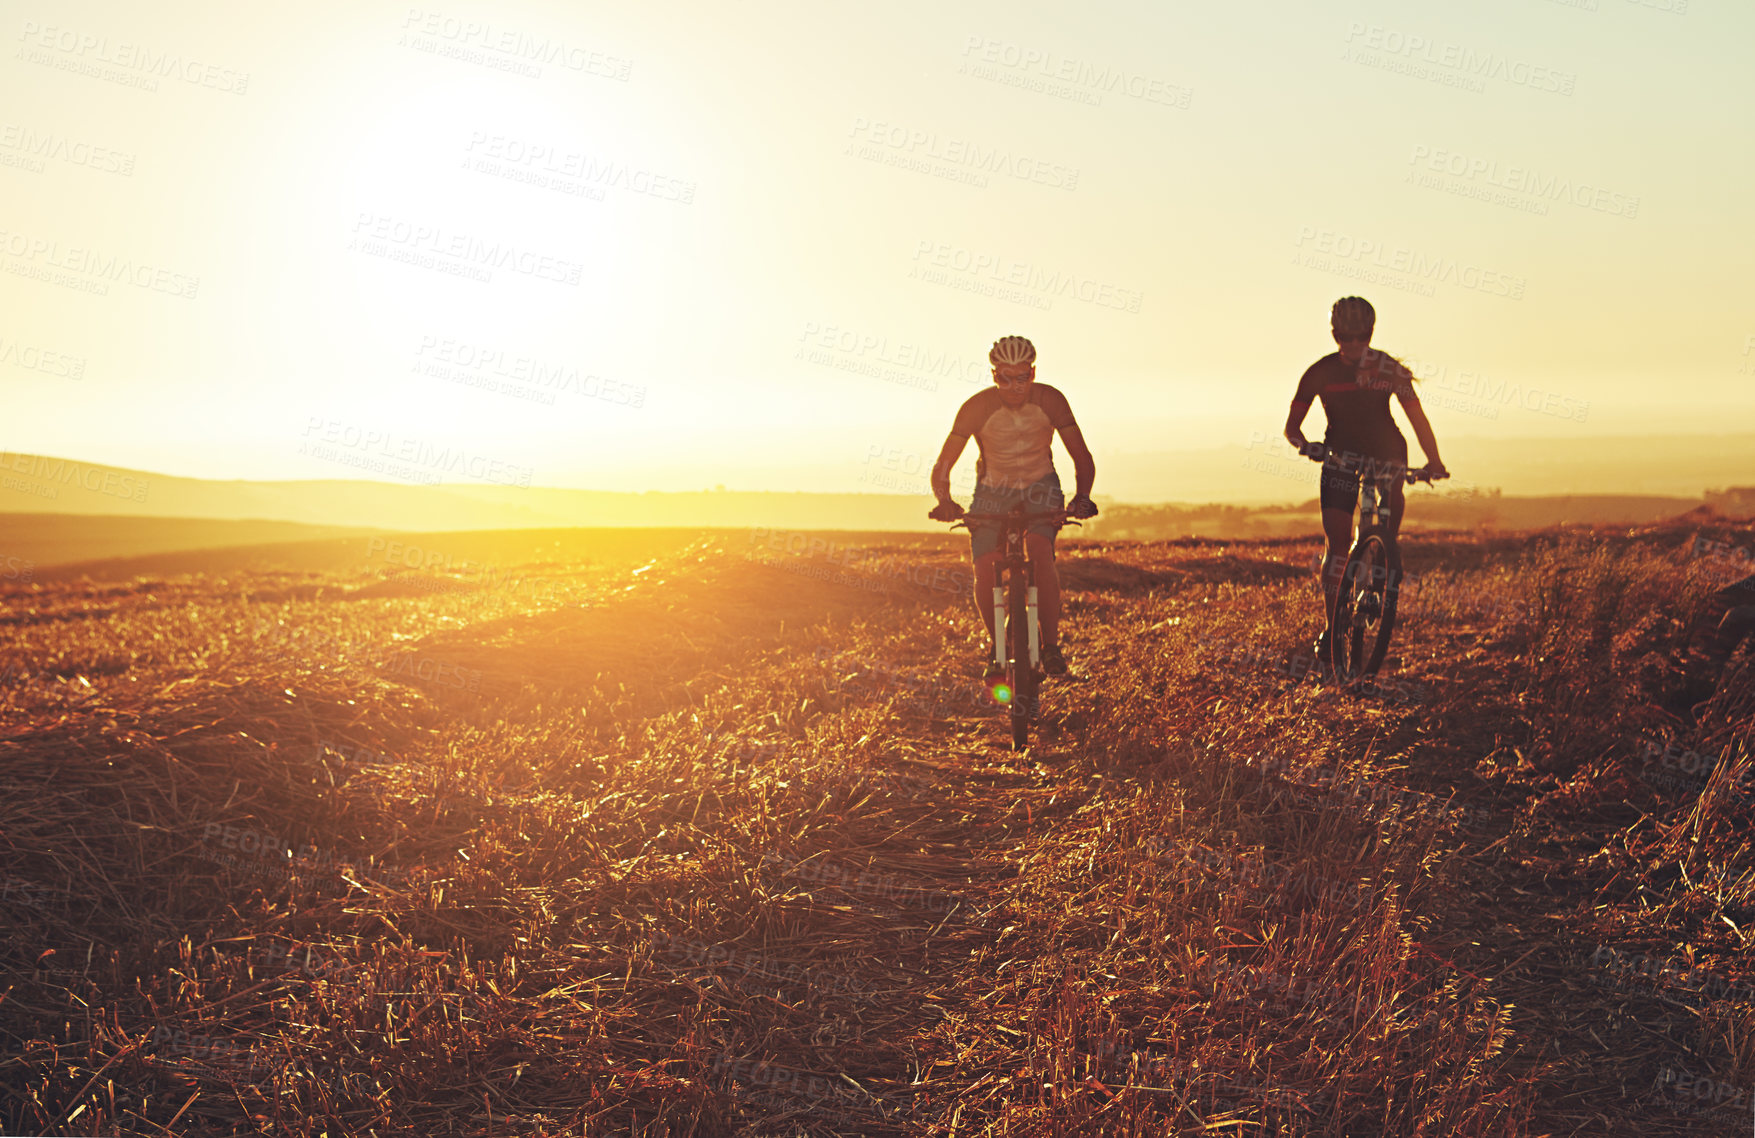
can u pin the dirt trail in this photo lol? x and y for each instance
(1597, 1050)
(734, 844)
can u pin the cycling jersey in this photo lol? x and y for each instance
(1015, 443)
(1355, 400)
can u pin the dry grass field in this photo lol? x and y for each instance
(725, 838)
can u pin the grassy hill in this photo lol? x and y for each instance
(34, 484)
(53, 539)
(722, 836)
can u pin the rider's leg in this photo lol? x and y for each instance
(1337, 527)
(1395, 493)
(1041, 550)
(1340, 494)
(986, 569)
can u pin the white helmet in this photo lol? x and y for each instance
(1012, 350)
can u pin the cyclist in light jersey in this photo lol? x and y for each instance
(1355, 384)
(1013, 424)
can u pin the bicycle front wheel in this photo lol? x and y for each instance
(1021, 673)
(1364, 612)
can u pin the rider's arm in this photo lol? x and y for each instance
(1060, 417)
(1422, 426)
(947, 458)
(1084, 466)
(1301, 401)
(1295, 423)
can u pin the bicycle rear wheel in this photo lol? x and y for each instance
(1020, 672)
(1364, 614)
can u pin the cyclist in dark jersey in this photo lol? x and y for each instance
(1013, 424)
(1355, 384)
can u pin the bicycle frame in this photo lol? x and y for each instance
(1362, 616)
(1017, 650)
(1372, 515)
(1013, 527)
(1015, 561)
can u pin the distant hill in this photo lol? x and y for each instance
(49, 539)
(1491, 511)
(34, 484)
(1265, 469)
(473, 559)
(59, 511)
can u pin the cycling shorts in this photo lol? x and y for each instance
(1340, 488)
(1041, 495)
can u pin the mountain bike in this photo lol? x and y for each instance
(1017, 639)
(1363, 616)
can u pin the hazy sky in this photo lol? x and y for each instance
(767, 244)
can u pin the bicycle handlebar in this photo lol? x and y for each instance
(1059, 517)
(1321, 452)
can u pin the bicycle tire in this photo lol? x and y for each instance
(1363, 619)
(1019, 671)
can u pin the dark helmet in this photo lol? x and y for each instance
(1353, 314)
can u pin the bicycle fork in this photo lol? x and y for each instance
(1002, 630)
(999, 628)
